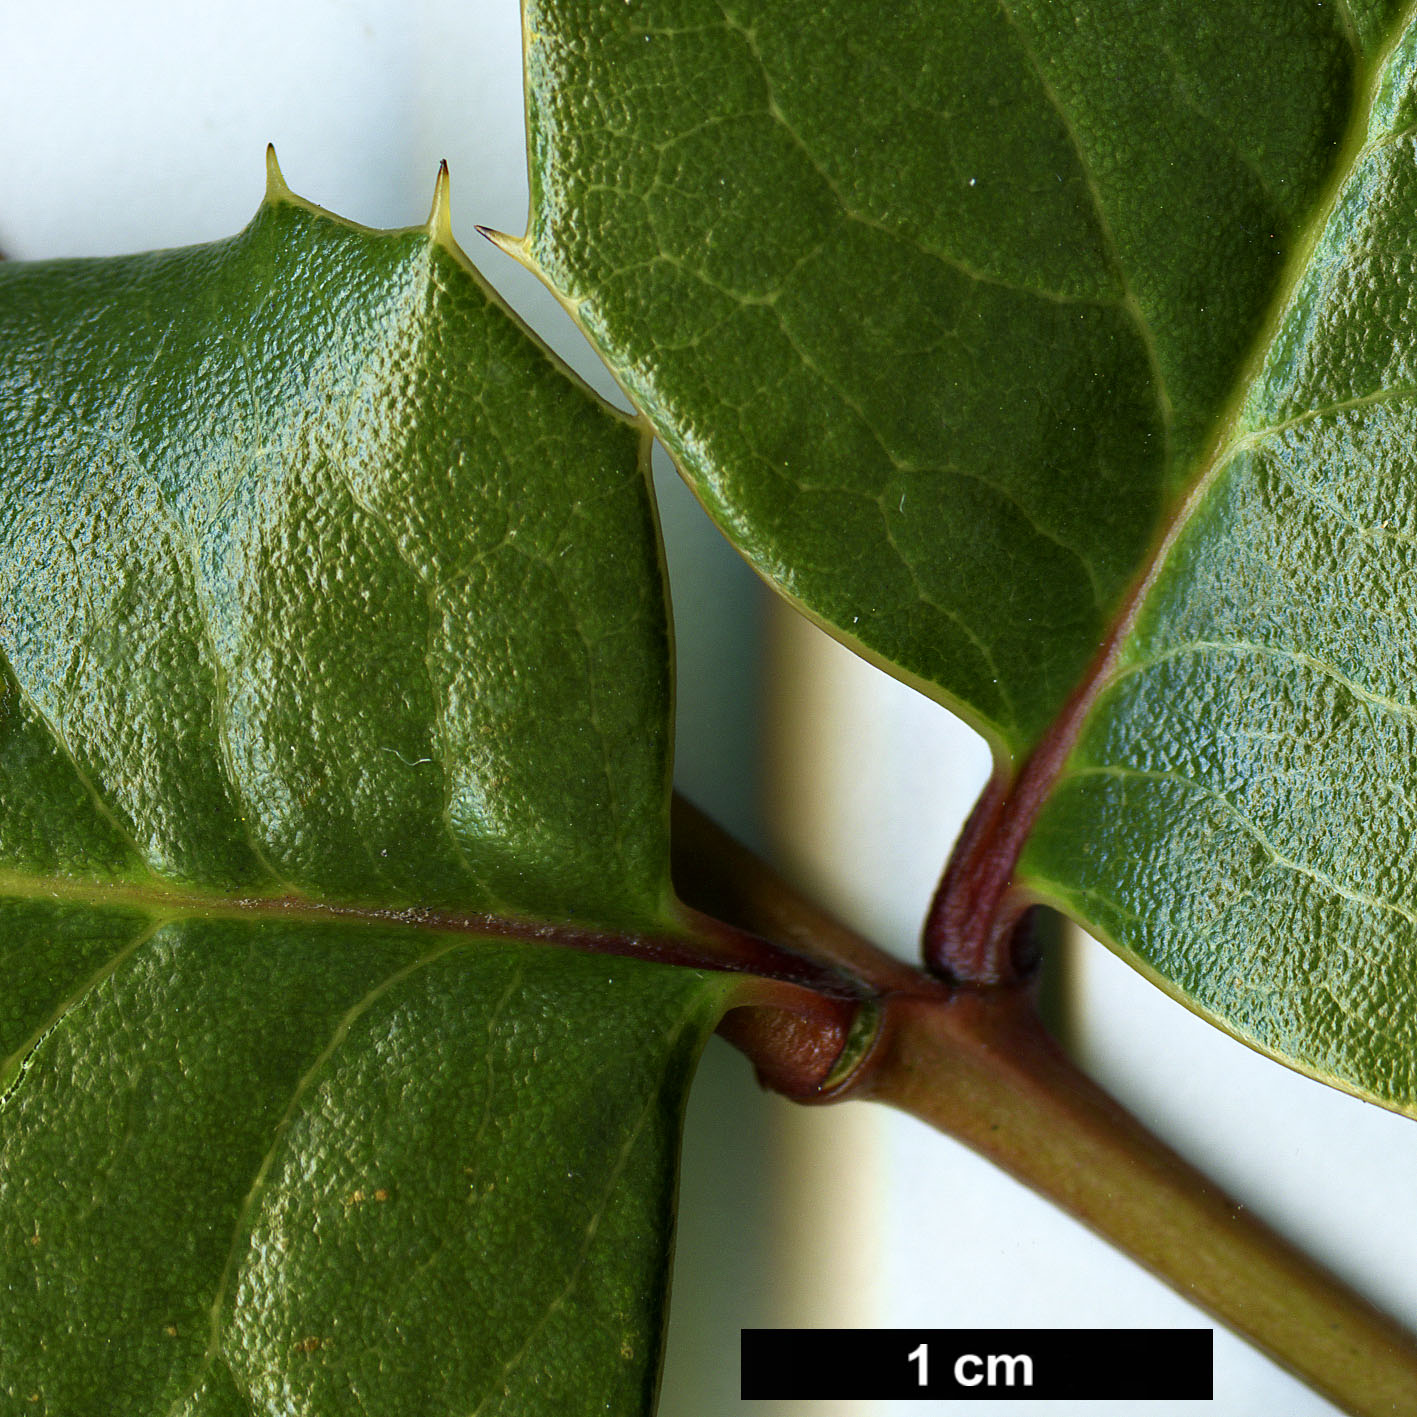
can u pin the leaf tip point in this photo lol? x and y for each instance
(277, 189)
(440, 214)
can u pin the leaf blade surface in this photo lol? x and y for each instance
(934, 357)
(335, 686)
(1258, 829)
(312, 539)
(435, 1172)
(1154, 402)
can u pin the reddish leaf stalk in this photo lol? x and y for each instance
(970, 932)
(976, 1063)
(794, 1046)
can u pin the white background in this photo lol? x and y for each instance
(141, 125)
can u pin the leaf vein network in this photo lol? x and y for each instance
(1129, 300)
(854, 214)
(1319, 665)
(19, 1059)
(475, 1142)
(632, 1136)
(1247, 824)
(953, 469)
(246, 1211)
(1393, 394)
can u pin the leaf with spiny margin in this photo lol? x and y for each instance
(336, 667)
(937, 309)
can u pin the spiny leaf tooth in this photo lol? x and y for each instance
(277, 189)
(440, 215)
(513, 246)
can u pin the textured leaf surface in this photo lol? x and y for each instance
(937, 311)
(972, 310)
(275, 572)
(1241, 811)
(308, 1168)
(332, 623)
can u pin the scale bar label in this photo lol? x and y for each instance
(1100, 1364)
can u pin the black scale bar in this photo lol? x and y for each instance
(987, 1363)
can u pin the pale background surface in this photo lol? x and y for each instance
(128, 127)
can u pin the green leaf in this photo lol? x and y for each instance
(335, 685)
(1060, 357)
(276, 572)
(1238, 815)
(938, 312)
(293, 1166)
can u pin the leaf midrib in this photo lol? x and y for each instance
(1226, 438)
(981, 876)
(684, 939)
(165, 903)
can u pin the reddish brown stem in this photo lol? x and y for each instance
(724, 879)
(981, 1069)
(977, 1064)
